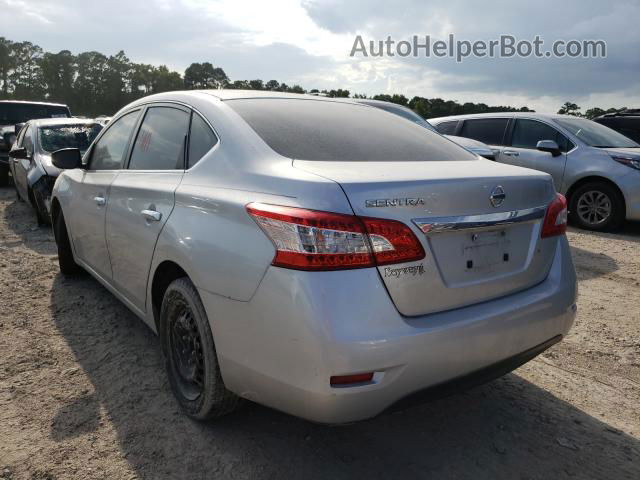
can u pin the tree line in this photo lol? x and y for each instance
(92, 83)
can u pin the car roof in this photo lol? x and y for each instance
(541, 116)
(224, 95)
(50, 122)
(27, 102)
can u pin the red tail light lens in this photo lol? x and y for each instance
(314, 240)
(392, 242)
(555, 221)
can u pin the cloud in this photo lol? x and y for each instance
(530, 78)
(308, 42)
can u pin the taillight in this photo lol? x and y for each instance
(555, 221)
(314, 240)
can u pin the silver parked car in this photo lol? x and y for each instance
(315, 255)
(474, 146)
(30, 157)
(597, 168)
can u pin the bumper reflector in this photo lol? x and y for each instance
(342, 380)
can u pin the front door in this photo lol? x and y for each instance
(142, 198)
(21, 166)
(523, 152)
(91, 194)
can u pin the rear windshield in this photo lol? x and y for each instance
(68, 136)
(326, 130)
(12, 113)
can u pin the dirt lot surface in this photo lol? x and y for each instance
(83, 393)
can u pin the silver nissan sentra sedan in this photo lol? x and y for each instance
(314, 255)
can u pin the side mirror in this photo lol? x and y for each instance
(19, 153)
(67, 159)
(549, 146)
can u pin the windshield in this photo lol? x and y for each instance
(594, 134)
(68, 136)
(329, 130)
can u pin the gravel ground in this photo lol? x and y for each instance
(83, 393)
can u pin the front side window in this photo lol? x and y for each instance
(527, 134)
(594, 134)
(201, 139)
(486, 130)
(55, 137)
(161, 140)
(108, 153)
(336, 131)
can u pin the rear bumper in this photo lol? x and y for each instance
(300, 328)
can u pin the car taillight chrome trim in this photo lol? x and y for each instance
(433, 225)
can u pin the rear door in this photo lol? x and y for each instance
(525, 135)
(90, 189)
(491, 131)
(142, 197)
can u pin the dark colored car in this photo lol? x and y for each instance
(626, 122)
(14, 112)
(30, 157)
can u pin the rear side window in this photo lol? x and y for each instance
(629, 127)
(329, 130)
(201, 139)
(161, 140)
(447, 128)
(527, 134)
(12, 113)
(486, 130)
(108, 152)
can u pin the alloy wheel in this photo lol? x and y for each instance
(594, 207)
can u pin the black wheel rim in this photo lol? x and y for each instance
(186, 353)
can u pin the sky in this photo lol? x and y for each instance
(308, 42)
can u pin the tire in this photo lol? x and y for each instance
(190, 354)
(68, 266)
(4, 176)
(15, 185)
(41, 210)
(597, 206)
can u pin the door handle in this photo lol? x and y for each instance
(510, 153)
(100, 201)
(151, 215)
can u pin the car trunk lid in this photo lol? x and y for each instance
(476, 249)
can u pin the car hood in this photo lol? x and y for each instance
(633, 151)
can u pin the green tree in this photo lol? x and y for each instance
(570, 109)
(164, 80)
(26, 77)
(89, 84)
(395, 98)
(204, 75)
(272, 85)
(7, 65)
(58, 72)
